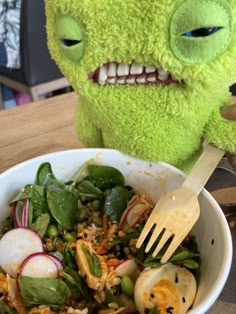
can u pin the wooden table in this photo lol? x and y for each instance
(48, 126)
(37, 128)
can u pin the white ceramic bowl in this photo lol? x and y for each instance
(211, 230)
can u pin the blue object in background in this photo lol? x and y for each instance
(7, 93)
(8, 97)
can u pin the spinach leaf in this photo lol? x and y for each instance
(105, 177)
(116, 202)
(5, 309)
(43, 173)
(76, 283)
(87, 189)
(69, 257)
(62, 203)
(41, 224)
(36, 195)
(48, 291)
(78, 177)
(93, 261)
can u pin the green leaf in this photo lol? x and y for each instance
(48, 291)
(41, 224)
(43, 173)
(69, 257)
(36, 195)
(63, 204)
(82, 170)
(73, 279)
(87, 189)
(189, 263)
(105, 177)
(5, 309)
(116, 202)
(93, 262)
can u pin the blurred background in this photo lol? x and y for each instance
(27, 72)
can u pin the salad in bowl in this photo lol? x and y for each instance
(68, 240)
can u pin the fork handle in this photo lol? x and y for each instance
(203, 168)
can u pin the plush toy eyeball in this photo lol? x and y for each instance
(169, 288)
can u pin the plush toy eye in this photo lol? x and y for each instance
(202, 32)
(70, 42)
(71, 38)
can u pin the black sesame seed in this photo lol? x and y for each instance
(183, 299)
(85, 235)
(169, 310)
(152, 295)
(176, 278)
(212, 242)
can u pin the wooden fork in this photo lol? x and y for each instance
(177, 211)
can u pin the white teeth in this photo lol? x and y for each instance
(112, 80)
(112, 69)
(162, 74)
(152, 78)
(150, 69)
(123, 69)
(102, 75)
(121, 80)
(131, 80)
(136, 69)
(114, 73)
(142, 79)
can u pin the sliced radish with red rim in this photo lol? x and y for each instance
(57, 261)
(39, 265)
(20, 213)
(15, 246)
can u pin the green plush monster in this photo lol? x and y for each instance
(152, 75)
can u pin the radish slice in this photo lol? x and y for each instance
(131, 204)
(128, 267)
(58, 262)
(39, 265)
(15, 246)
(25, 213)
(20, 213)
(17, 210)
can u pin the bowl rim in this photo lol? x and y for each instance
(224, 270)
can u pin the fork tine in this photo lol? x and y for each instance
(171, 249)
(176, 241)
(147, 227)
(166, 235)
(158, 229)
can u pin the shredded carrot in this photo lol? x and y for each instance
(104, 225)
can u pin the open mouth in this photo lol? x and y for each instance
(130, 74)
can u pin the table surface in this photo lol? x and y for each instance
(48, 126)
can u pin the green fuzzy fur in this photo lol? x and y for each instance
(158, 123)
